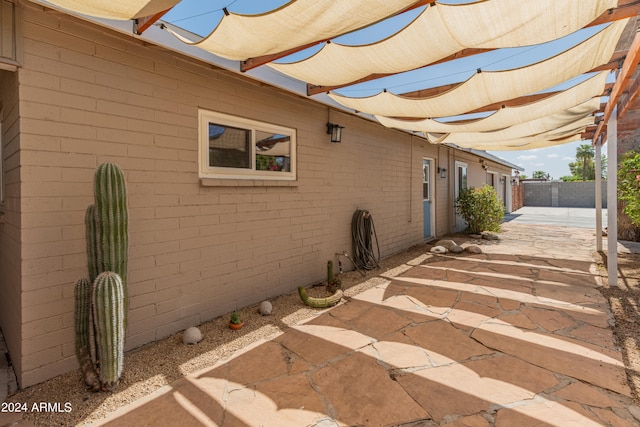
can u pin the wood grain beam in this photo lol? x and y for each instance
(142, 24)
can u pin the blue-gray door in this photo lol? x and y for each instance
(426, 196)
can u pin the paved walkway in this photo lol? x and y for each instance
(561, 217)
(516, 336)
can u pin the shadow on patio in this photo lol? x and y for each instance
(516, 336)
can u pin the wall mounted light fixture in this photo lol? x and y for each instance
(335, 131)
(442, 172)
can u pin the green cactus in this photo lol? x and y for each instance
(111, 219)
(333, 283)
(82, 295)
(92, 245)
(101, 303)
(319, 302)
(108, 315)
(112, 222)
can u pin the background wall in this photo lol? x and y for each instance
(563, 194)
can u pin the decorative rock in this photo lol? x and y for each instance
(473, 249)
(192, 335)
(265, 308)
(456, 249)
(438, 250)
(448, 244)
(475, 236)
(487, 235)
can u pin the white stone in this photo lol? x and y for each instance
(265, 308)
(192, 335)
(448, 244)
(438, 250)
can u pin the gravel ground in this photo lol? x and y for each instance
(624, 301)
(153, 366)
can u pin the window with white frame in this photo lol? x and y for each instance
(239, 148)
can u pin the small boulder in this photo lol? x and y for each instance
(487, 235)
(192, 335)
(456, 249)
(438, 250)
(475, 236)
(448, 244)
(265, 308)
(473, 249)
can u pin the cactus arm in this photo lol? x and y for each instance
(319, 302)
(82, 296)
(108, 310)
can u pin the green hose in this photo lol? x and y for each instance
(363, 233)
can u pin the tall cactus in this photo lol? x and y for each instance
(112, 222)
(82, 295)
(102, 307)
(108, 314)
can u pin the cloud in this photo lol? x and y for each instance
(530, 157)
(553, 156)
(571, 159)
(538, 164)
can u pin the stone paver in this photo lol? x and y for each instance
(516, 336)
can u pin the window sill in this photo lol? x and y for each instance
(218, 182)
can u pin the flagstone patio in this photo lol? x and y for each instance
(518, 335)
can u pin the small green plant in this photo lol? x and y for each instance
(629, 185)
(481, 209)
(235, 318)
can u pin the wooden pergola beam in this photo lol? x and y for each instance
(628, 67)
(142, 24)
(625, 9)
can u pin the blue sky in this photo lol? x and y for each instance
(201, 17)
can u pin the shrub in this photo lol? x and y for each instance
(481, 209)
(629, 185)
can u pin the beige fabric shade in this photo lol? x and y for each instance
(567, 131)
(520, 145)
(489, 87)
(297, 23)
(550, 125)
(577, 100)
(116, 9)
(447, 30)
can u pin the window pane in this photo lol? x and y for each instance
(229, 147)
(273, 152)
(462, 178)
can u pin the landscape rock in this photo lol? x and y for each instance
(475, 236)
(487, 235)
(473, 249)
(448, 244)
(265, 308)
(456, 249)
(192, 335)
(438, 250)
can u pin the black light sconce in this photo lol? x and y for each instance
(442, 172)
(335, 131)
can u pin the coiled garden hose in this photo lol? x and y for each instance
(363, 233)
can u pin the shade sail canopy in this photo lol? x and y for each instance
(489, 87)
(116, 9)
(524, 145)
(299, 22)
(448, 29)
(546, 126)
(577, 100)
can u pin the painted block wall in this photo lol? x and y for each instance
(10, 224)
(198, 249)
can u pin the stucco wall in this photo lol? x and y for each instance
(197, 249)
(10, 234)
